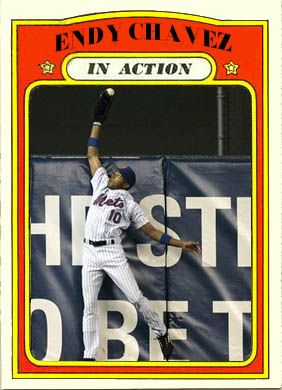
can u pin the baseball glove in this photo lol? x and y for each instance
(103, 106)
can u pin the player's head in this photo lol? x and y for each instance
(122, 178)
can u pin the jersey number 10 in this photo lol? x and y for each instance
(115, 216)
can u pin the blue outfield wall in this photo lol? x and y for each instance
(205, 301)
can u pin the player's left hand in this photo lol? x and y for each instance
(191, 246)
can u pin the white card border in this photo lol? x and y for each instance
(240, 9)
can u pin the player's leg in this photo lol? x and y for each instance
(120, 272)
(92, 279)
(125, 280)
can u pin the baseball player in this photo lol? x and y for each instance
(112, 210)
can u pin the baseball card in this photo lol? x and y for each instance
(140, 195)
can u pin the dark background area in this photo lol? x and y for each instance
(144, 120)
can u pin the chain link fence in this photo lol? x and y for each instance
(144, 120)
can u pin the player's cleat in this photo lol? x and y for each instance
(89, 360)
(103, 106)
(166, 345)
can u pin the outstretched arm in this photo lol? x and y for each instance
(100, 115)
(157, 235)
(93, 152)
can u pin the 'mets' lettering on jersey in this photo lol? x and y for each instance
(111, 211)
(102, 200)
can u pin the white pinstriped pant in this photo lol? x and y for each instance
(111, 260)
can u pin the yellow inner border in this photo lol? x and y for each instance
(68, 81)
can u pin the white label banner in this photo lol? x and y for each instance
(189, 68)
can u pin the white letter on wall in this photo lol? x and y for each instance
(235, 310)
(144, 251)
(244, 227)
(155, 353)
(128, 311)
(54, 327)
(51, 229)
(208, 207)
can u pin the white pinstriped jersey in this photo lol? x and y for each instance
(110, 211)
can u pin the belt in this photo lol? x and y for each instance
(99, 243)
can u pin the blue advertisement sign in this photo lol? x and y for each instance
(204, 300)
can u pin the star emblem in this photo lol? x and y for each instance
(231, 68)
(47, 67)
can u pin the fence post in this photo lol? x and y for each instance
(220, 127)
